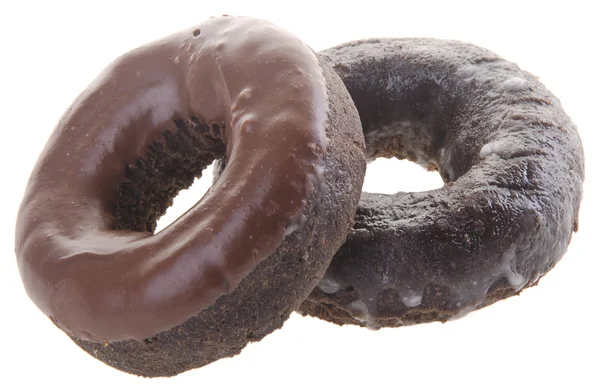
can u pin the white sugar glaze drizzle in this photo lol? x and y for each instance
(468, 292)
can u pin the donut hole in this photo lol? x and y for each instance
(408, 118)
(407, 177)
(185, 199)
(172, 163)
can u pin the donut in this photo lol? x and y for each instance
(233, 267)
(512, 165)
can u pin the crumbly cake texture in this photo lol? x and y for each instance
(513, 167)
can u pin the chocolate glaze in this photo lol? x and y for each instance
(265, 91)
(513, 167)
(279, 284)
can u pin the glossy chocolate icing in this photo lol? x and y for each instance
(266, 92)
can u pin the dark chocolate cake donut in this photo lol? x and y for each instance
(231, 269)
(513, 168)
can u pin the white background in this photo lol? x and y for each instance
(547, 338)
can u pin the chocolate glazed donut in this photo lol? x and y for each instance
(513, 168)
(233, 267)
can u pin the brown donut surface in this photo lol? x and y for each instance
(233, 267)
(513, 168)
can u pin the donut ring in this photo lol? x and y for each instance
(232, 268)
(513, 168)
